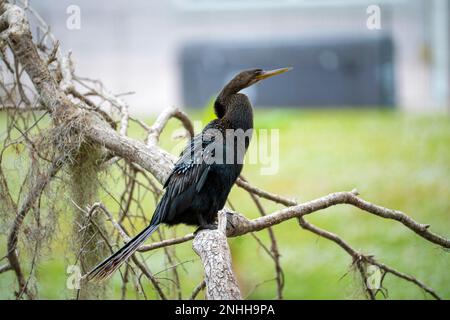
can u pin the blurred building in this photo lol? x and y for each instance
(142, 46)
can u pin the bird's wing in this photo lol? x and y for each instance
(189, 174)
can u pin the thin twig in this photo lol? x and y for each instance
(201, 286)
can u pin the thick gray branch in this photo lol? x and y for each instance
(212, 247)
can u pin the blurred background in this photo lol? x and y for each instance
(181, 52)
(365, 107)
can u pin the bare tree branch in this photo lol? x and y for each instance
(161, 121)
(274, 253)
(149, 275)
(6, 267)
(201, 286)
(213, 249)
(346, 198)
(34, 193)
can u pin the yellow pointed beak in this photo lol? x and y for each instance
(267, 74)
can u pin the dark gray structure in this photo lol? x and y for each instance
(332, 71)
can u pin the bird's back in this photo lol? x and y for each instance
(201, 180)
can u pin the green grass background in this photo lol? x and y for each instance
(394, 159)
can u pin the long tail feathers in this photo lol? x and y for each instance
(105, 269)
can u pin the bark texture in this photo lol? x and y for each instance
(212, 247)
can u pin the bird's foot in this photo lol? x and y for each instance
(209, 226)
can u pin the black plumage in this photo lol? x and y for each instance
(199, 184)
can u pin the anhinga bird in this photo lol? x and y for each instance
(201, 180)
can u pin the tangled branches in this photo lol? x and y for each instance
(60, 118)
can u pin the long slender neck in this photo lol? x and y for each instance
(233, 107)
(220, 105)
(235, 111)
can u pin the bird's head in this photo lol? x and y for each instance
(249, 77)
(242, 80)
